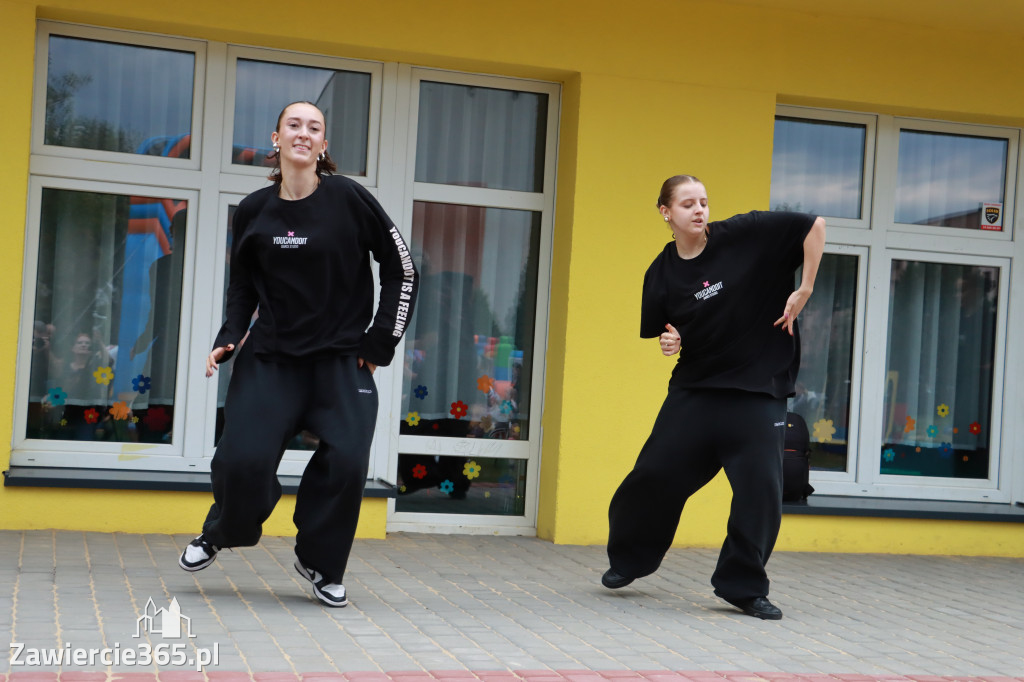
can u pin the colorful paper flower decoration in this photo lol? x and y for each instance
(63, 422)
(119, 410)
(420, 392)
(459, 409)
(91, 416)
(888, 454)
(910, 426)
(942, 410)
(975, 428)
(103, 375)
(141, 383)
(946, 449)
(506, 407)
(157, 419)
(412, 419)
(484, 384)
(419, 471)
(824, 430)
(447, 487)
(471, 470)
(933, 431)
(57, 396)
(135, 420)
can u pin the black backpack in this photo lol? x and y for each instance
(796, 460)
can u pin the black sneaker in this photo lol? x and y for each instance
(331, 594)
(613, 580)
(758, 607)
(198, 555)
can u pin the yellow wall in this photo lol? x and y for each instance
(649, 89)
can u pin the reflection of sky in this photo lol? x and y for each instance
(263, 89)
(940, 175)
(817, 167)
(143, 90)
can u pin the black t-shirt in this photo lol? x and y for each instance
(723, 303)
(306, 263)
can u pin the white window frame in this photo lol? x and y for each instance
(868, 121)
(881, 242)
(542, 202)
(374, 69)
(60, 453)
(45, 29)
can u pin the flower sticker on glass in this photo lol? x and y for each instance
(57, 396)
(933, 431)
(471, 470)
(91, 416)
(420, 392)
(419, 471)
(946, 449)
(119, 410)
(103, 375)
(459, 409)
(63, 422)
(942, 410)
(910, 425)
(447, 487)
(975, 428)
(888, 454)
(823, 430)
(484, 384)
(506, 407)
(412, 419)
(157, 419)
(141, 383)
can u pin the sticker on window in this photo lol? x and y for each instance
(992, 216)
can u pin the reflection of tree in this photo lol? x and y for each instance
(65, 129)
(786, 206)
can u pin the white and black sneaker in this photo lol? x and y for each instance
(198, 555)
(331, 594)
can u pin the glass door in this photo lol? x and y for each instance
(469, 406)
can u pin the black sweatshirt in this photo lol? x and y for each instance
(724, 302)
(306, 263)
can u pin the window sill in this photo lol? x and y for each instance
(118, 479)
(839, 505)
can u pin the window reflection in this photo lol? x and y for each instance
(826, 361)
(944, 179)
(461, 485)
(469, 349)
(938, 394)
(108, 299)
(481, 137)
(263, 89)
(119, 98)
(818, 167)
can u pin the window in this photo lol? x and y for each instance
(903, 362)
(116, 315)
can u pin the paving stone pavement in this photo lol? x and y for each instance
(498, 609)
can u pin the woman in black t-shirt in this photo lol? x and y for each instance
(300, 252)
(721, 294)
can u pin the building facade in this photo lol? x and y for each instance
(520, 149)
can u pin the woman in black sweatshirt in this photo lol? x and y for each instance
(301, 256)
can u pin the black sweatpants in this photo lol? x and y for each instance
(267, 404)
(697, 433)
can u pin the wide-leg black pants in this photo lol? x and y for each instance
(267, 404)
(697, 433)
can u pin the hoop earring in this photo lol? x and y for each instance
(323, 155)
(277, 148)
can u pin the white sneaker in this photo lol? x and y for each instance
(198, 555)
(331, 594)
